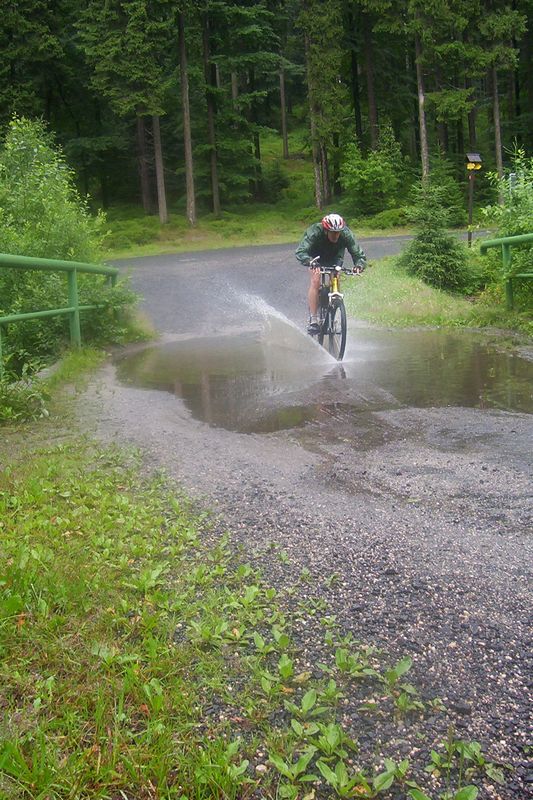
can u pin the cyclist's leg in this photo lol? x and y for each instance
(312, 293)
(313, 299)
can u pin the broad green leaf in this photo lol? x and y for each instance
(281, 766)
(297, 727)
(467, 793)
(383, 781)
(308, 700)
(403, 666)
(417, 794)
(327, 773)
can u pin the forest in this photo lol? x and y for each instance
(167, 105)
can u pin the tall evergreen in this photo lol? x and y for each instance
(124, 42)
(127, 83)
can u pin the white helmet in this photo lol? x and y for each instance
(333, 222)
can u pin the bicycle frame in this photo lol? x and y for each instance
(333, 272)
(332, 315)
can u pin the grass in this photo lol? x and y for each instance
(142, 660)
(386, 295)
(131, 235)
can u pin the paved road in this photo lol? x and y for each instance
(174, 287)
(405, 473)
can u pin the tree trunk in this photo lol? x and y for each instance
(442, 126)
(159, 172)
(424, 152)
(369, 64)
(319, 200)
(497, 122)
(337, 188)
(144, 173)
(354, 81)
(460, 136)
(234, 89)
(528, 72)
(187, 138)
(413, 127)
(472, 114)
(354, 71)
(317, 167)
(215, 194)
(472, 128)
(258, 182)
(283, 109)
(324, 169)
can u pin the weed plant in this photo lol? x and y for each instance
(21, 400)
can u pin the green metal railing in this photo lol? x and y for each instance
(506, 243)
(72, 268)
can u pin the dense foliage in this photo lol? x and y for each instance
(139, 108)
(42, 215)
(513, 216)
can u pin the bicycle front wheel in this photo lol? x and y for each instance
(336, 330)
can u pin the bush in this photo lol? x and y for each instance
(274, 181)
(434, 255)
(391, 218)
(513, 216)
(42, 215)
(373, 183)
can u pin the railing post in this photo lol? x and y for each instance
(506, 258)
(74, 316)
(509, 297)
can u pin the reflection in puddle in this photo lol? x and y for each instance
(278, 379)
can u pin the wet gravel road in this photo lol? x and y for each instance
(421, 512)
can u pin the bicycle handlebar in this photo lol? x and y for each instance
(313, 264)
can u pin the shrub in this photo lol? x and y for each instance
(373, 183)
(434, 255)
(513, 216)
(274, 181)
(391, 218)
(42, 215)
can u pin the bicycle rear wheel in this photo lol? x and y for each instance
(336, 329)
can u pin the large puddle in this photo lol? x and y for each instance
(276, 378)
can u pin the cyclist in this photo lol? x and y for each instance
(328, 241)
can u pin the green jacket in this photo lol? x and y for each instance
(316, 243)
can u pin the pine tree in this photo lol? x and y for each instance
(123, 42)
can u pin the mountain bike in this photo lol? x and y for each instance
(331, 311)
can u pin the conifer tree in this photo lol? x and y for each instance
(123, 43)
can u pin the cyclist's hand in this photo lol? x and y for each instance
(357, 270)
(314, 263)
